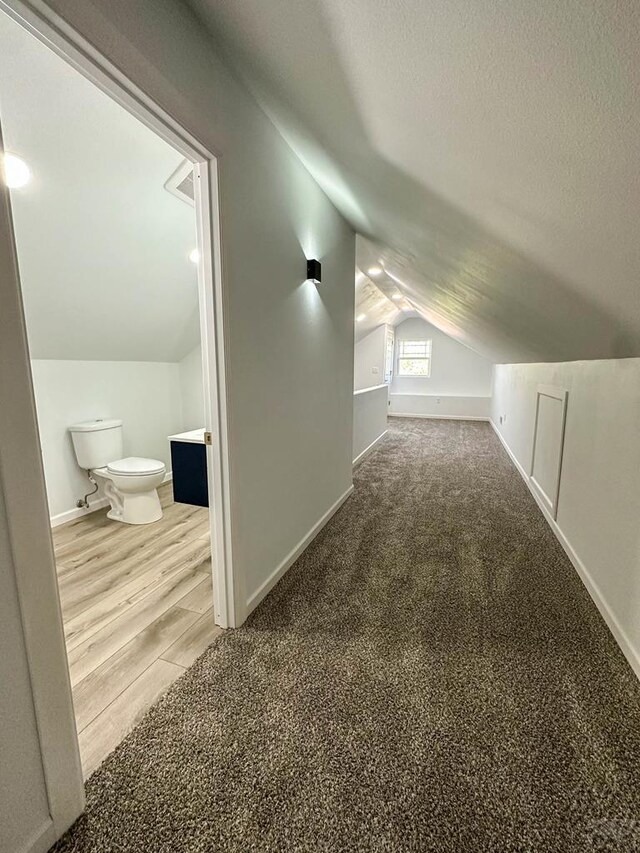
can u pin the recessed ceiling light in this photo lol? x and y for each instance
(16, 172)
(374, 270)
(360, 318)
(194, 256)
(396, 296)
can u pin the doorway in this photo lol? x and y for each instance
(108, 603)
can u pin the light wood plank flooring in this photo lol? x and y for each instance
(137, 611)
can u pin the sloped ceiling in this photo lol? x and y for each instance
(488, 150)
(378, 298)
(102, 246)
(372, 307)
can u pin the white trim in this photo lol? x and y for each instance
(440, 417)
(399, 357)
(265, 588)
(559, 394)
(78, 512)
(372, 388)
(53, 31)
(228, 586)
(592, 587)
(444, 396)
(50, 28)
(94, 506)
(21, 470)
(32, 560)
(362, 456)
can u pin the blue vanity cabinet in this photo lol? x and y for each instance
(189, 467)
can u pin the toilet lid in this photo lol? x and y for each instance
(135, 465)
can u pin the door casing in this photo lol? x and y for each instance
(22, 474)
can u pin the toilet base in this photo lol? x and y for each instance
(143, 508)
(133, 507)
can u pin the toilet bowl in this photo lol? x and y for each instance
(129, 483)
(130, 487)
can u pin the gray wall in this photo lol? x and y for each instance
(290, 344)
(24, 809)
(369, 419)
(369, 353)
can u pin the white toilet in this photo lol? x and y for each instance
(129, 484)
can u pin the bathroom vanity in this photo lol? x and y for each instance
(189, 466)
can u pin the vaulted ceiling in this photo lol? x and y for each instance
(487, 150)
(102, 246)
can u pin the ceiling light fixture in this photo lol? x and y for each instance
(396, 296)
(194, 256)
(374, 270)
(16, 172)
(360, 318)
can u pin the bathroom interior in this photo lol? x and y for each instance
(105, 230)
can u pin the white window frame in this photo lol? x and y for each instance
(389, 350)
(428, 353)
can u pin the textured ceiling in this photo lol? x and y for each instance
(102, 246)
(372, 307)
(378, 298)
(489, 150)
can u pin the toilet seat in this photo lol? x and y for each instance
(130, 485)
(135, 466)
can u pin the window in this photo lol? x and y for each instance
(388, 355)
(414, 358)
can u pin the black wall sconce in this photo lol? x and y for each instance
(314, 271)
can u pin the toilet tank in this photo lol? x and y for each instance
(96, 443)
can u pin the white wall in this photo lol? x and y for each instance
(460, 380)
(599, 500)
(368, 361)
(369, 420)
(443, 406)
(191, 390)
(289, 343)
(102, 245)
(146, 395)
(154, 399)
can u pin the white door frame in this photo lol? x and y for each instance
(21, 467)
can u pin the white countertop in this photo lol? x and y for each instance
(194, 436)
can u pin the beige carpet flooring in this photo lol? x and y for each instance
(431, 675)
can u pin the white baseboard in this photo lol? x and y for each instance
(362, 456)
(592, 587)
(77, 512)
(94, 506)
(265, 588)
(439, 417)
